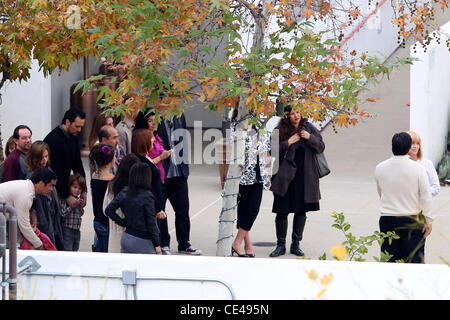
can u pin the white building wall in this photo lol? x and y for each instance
(26, 103)
(430, 97)
(40, 102)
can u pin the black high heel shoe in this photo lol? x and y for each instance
(239, 255)
(250, 255)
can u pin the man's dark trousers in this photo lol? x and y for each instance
(411, 245)
(176, 191)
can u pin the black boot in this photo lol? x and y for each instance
(281, 229)
(297, 234)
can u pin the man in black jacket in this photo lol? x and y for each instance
(65, 153)
(175, 186)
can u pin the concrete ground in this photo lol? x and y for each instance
(352, 154)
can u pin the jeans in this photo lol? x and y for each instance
(71, 239)
(102, 232)
(132, 244)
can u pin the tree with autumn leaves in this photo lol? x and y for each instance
(171, 55)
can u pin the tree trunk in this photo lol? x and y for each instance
(230, 192)
(2, 158)
(231, 186)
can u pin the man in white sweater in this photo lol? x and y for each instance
(405, 202)
(20, 195)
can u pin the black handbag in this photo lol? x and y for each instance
(286, 172)
(321, 165)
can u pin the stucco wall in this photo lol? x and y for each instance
(40, 102)
(430, 97)
(26, 103)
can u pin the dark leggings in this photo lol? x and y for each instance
(249, 201)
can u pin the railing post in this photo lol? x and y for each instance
(3, 249)
(12, 252)
(12, 235)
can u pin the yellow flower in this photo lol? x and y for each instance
(312, 275)
(326, 279)
(339, 252)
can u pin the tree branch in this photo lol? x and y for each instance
(247, 5)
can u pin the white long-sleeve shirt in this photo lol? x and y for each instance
(20, 195)
(403, 188)
(433, 178)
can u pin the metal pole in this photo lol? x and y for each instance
(3, 249)
(2, 235)
(3, 277)
(12, 250)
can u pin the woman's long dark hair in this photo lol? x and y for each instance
(140, 178)
(100, 155)
(141, 119)
(120, 180)
(285, 128)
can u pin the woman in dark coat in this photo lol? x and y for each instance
(303, 192)
(137, 203)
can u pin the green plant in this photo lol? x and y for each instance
(356, 247)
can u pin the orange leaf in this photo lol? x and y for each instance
(372, 99)
(342, 120)
(354, 13)
(202, 97)
(219, 21)
(211, 92)
(269, 5)
(324, 8)
(289, 22)
(308, 14)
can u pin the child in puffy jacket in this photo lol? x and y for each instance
(46, 242)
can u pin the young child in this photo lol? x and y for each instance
(46, 242)
(71, 216)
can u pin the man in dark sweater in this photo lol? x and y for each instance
(15, 163)
(65, 153)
